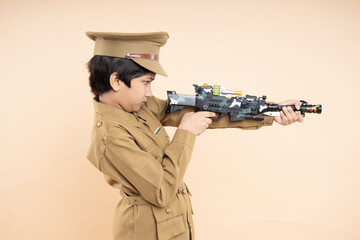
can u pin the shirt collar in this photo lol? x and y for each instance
(111, 111)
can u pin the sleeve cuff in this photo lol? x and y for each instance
(268, 121)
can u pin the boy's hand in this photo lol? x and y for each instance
(287, 115)
(197, 122)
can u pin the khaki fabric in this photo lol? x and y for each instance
(148, 168)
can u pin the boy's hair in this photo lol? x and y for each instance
(101, 68)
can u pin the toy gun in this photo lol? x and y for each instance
(210, 98)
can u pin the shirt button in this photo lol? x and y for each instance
(168, 210)
(99, 123)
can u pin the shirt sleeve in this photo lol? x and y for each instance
(158, 108)
(155, 180)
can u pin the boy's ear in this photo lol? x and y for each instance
(115, 82)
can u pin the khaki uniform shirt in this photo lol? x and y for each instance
(136, 156)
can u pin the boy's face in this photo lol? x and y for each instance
(131, 99)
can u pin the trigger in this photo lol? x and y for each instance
(221, 115)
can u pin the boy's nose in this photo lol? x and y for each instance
(148, 92)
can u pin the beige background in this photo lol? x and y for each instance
(296, 182)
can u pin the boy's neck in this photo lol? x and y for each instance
(108, 98)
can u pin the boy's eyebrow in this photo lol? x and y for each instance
(147, 79)
(151, 77)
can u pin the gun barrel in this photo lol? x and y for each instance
(305, 108)
(312, 108)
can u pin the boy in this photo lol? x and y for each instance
(130, 146)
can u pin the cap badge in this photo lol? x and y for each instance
(145, 56)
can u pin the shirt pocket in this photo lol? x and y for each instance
(148, 145)
(156, 152)
(169, 220)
